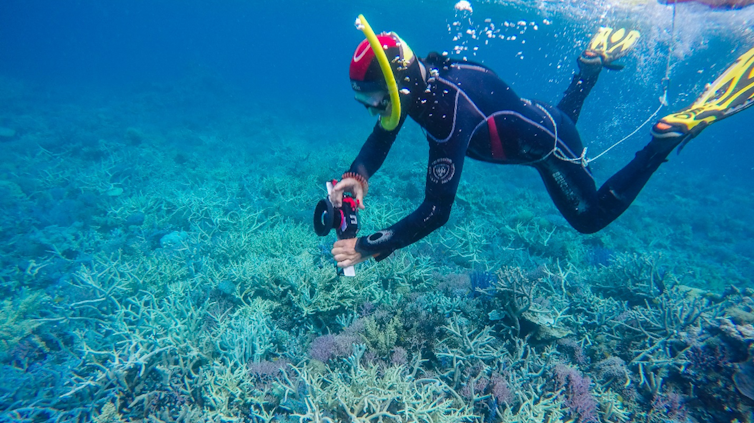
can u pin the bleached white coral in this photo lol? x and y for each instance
(367, 392)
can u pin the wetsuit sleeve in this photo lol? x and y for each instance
(375, 149)
(443, 175)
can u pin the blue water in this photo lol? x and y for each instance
(159, 162)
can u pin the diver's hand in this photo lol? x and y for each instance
(351, 185)
(344, 252)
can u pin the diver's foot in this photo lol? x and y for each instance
(590, 64)
(666, 137)
(605, 47)
(729, 94)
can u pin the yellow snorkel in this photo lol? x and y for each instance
(395, 102)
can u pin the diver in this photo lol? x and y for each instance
(467, 111)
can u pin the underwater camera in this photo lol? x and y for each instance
(344, 219)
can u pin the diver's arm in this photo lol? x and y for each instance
(370, 159)
(443, 175)
(429, 216)
(375, 149)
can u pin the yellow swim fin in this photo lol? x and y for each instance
(732, 92)
(611, 44)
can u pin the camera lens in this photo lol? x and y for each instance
(324, 217)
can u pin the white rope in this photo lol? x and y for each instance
(629, 135)
(557, 151)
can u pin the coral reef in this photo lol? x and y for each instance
(154, 271)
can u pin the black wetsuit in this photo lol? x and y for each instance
(467, 110)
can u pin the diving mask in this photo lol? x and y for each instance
(377, 100)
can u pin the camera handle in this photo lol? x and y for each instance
(347, 271)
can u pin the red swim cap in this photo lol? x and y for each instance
(365, 71)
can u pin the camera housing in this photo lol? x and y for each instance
(344, 219)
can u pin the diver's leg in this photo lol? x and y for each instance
(587, 209)
(569, 180)
(573, 191)
(569, 183)
(605, 47)
(618, 192)
(729, 94)
(581, 84)
(571, 186)
(566, 175)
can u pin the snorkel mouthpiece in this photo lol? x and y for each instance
(392, 121)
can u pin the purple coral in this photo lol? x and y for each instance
(577, 395)
(574, 350)
(366, 309)
(670, 405)
(264, 373)
(325, 347)
(709, 356)
(399, 357)
(500, 389)
(478, 386)
(612, 368)
(267, 369)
